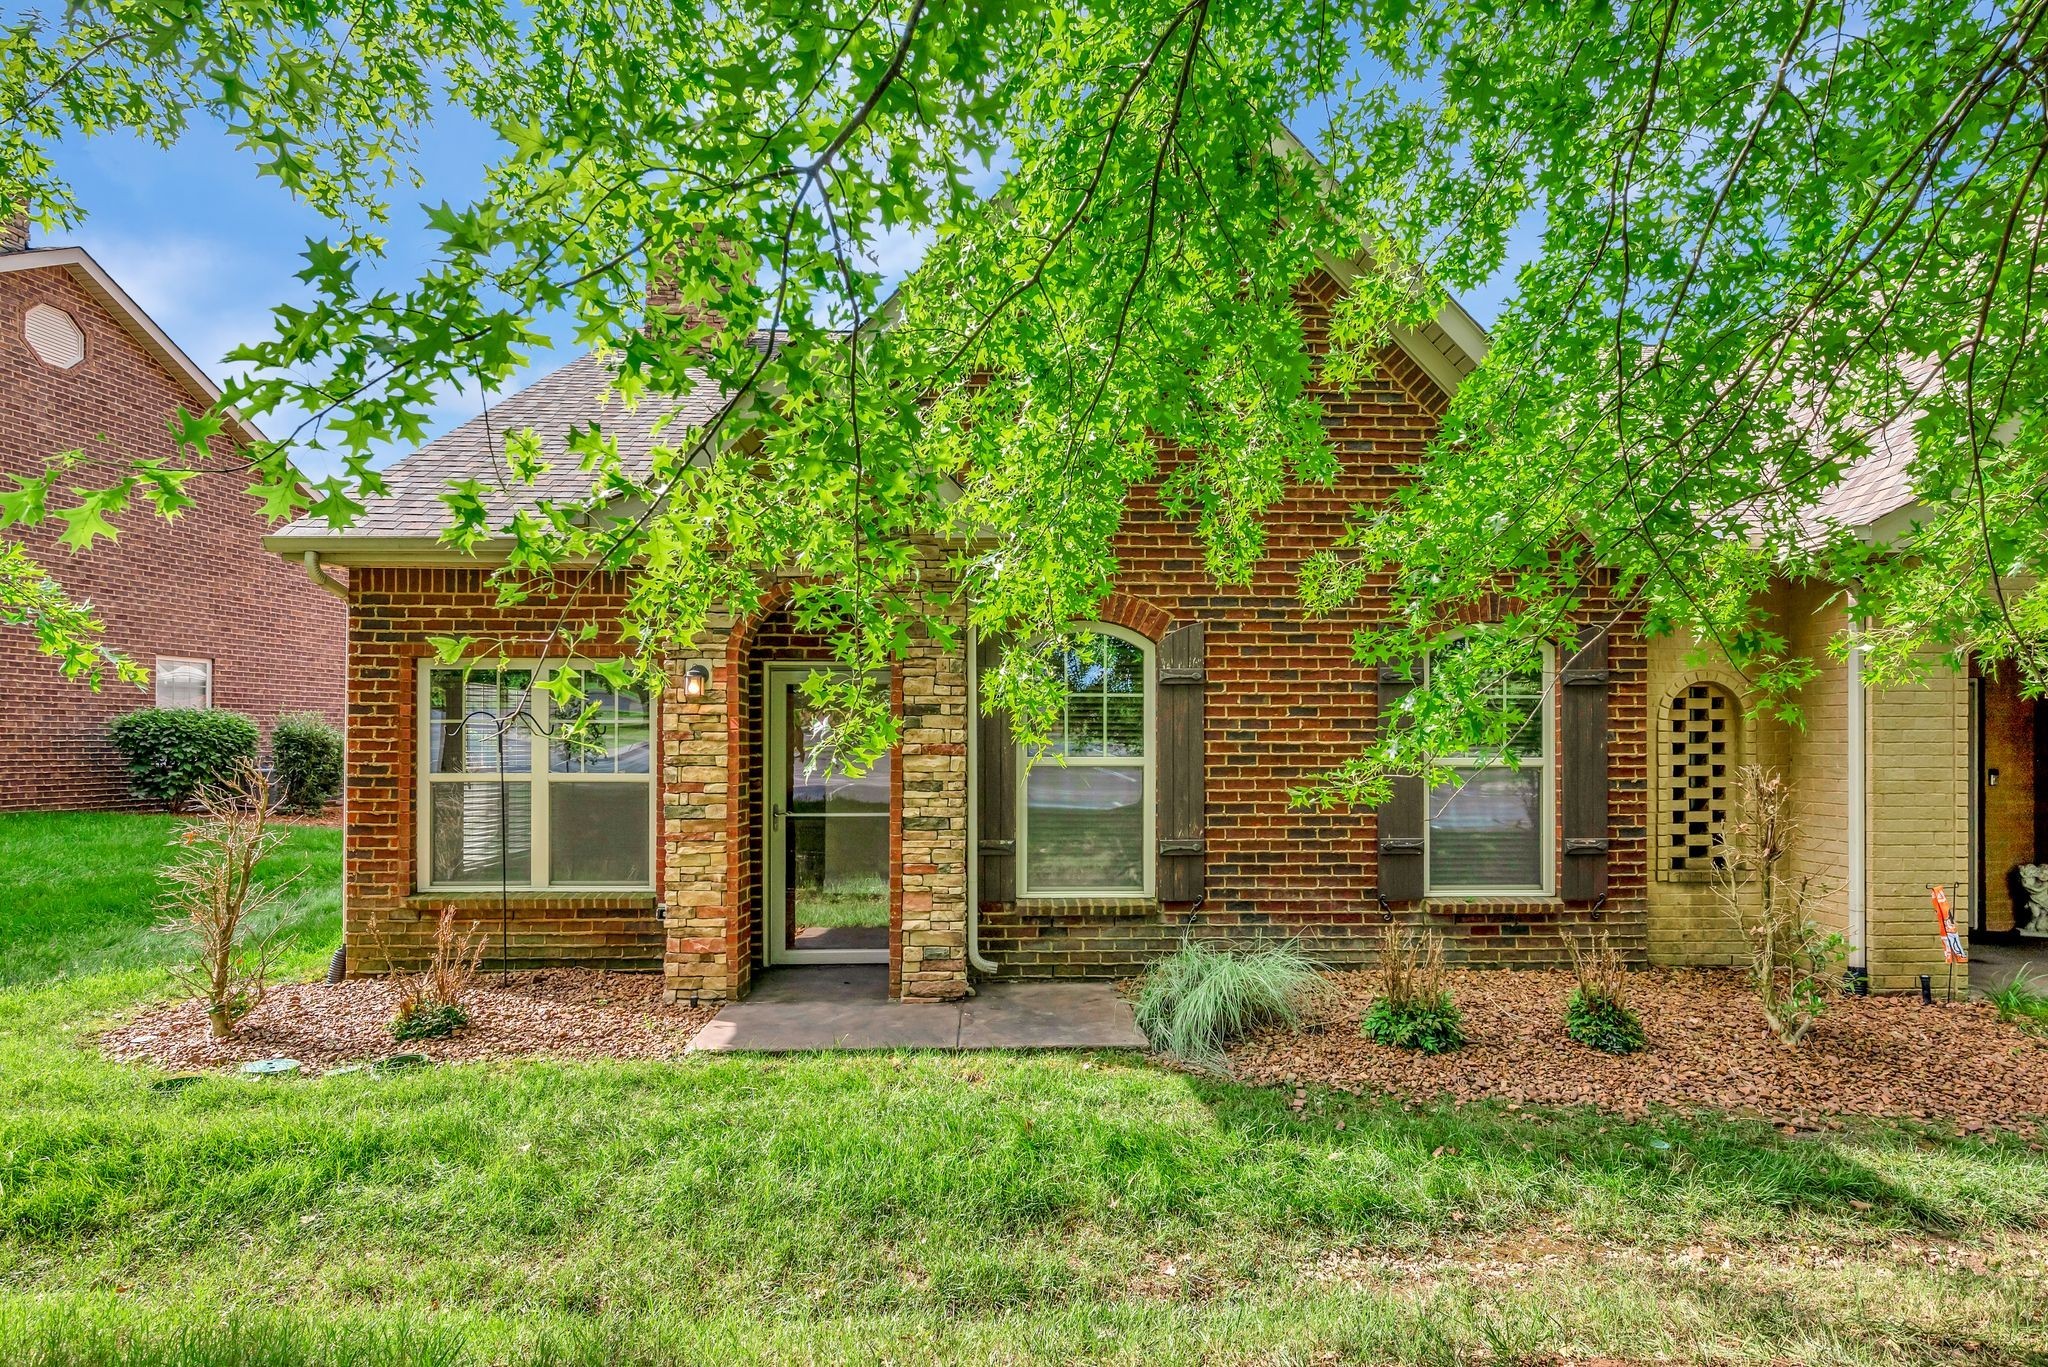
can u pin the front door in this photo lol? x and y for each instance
(827, 838)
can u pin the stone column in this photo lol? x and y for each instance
(931, 939)
(705, 936)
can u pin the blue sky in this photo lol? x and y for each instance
(207, 247)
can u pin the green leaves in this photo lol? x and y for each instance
(1761, 244)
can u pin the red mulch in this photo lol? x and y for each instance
(556, 1012)
(1872, 1056)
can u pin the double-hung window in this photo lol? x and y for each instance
(1087, 799)
(1489, 826)
(577, 782)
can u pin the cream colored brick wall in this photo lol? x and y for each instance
(1917, 796)
(1688, 922)
(1919, 772)
(1815, 755)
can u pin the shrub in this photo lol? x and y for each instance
(432, 1002)
(429, 1022)
(1198, 999)
(1414, 1010)
(1794, 965)
(305, 761)
(213, 897)
(1597, 1013)
(2021, 1003)
(175, 753)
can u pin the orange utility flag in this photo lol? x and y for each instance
(1951, 943)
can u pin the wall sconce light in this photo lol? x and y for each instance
(696, 679)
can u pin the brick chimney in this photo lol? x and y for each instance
(664, 297)
(14, 230)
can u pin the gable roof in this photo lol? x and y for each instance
(571, 396)
(405, 524)
(94, 280)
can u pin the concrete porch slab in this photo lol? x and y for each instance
(803, 1009)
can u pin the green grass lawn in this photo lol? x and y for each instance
(915, 1208)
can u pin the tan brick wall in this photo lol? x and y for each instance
(1688, 920)
(1919, 831)
(1815, 755)
(1917, 792)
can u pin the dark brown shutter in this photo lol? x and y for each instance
(1403, 816)
(1582, 751)
(996, 795)
(1182, 853)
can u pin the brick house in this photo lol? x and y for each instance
(711, 836)
(198, 602)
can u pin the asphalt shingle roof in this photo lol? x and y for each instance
(572, 396)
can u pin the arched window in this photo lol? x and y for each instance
(1086, 804)
(1695, 758)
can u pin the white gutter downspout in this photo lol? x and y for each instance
(1858, 803)
(319, 575)
(974, 956)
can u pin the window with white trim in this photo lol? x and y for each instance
(1085, 809)
(184, 683)
(578, 800)
(1489, 828)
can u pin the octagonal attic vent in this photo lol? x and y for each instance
(54, 336)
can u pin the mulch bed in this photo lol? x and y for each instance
(556, 1012)
(1873, 1056)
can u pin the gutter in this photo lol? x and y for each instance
(975, 959)
(1858, 807)
(319, 575)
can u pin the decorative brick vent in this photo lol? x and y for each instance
(1698, 748)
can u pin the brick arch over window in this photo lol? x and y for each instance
(1700, 736)
(1134, 614)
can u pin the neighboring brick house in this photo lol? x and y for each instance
(710, 836)
(197, 600)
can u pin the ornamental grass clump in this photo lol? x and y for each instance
(1597, 1013)
(1194, 1002)
(434, 1002)
(1414, 1010)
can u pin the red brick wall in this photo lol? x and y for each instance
(1285, 701)
(392, 613)
(771, 638)
(202, 587)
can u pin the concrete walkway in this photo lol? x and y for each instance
(793, 1009)
(1994, 965)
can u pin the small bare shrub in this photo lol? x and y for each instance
(1597, 1013)
(1794, 964)
(434, 1001)
(212, 897)
(1414, 1010)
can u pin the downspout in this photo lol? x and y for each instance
(974, 955)
(1858, 805)
(319, 575)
